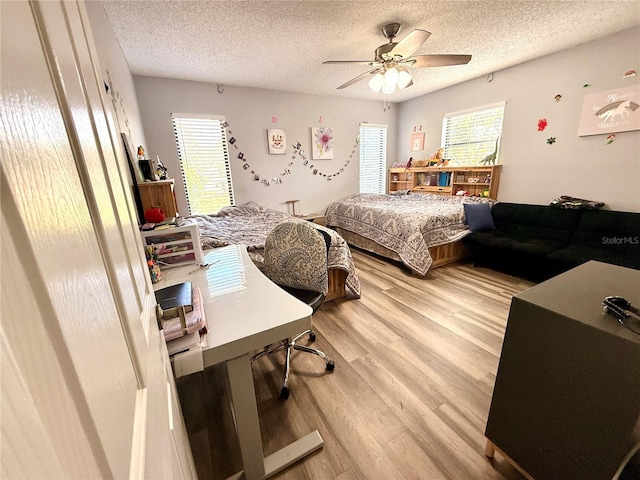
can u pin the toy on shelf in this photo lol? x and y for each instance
(420, 163)
(437, 159)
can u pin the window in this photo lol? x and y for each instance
(471, 135)
(373, 158)
(204, 161)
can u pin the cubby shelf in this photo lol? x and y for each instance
(181, 245)
(447, 180)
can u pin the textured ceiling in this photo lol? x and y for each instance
(281, 45)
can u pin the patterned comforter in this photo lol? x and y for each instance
(249, 225)
(405, 224)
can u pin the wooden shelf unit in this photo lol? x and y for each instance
(400, 178)
(447, 180)
(159, 194)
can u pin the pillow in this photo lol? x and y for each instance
(478, 216)
(400, 192)
(573, 203)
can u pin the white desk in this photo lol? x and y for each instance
(245, 311)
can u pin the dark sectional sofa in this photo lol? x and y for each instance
(538, 242)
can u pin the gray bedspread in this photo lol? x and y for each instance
(405, 224)
(249, 225)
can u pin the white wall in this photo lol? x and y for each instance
(115, 73)
(249, 112)
(533, 171)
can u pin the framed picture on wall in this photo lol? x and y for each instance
(277, 140)
(417, 142)
(611, 111)
(322, 141)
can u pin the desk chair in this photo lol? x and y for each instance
(295, 258)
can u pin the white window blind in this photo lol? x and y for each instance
(204, 161)
(469, 136)
(373, 158)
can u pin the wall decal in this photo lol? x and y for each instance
(551, 140)
(322, 140)
(629, 74)
(297, 152)
(558, 98)
(274, 119)
(542, 124)
(611, 111)
(611, 138)
(277, 141)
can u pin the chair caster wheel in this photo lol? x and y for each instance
(284, 393)
(312, 336)
(330, 366)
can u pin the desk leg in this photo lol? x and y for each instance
(246, 415)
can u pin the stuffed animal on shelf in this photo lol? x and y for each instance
(438, 158)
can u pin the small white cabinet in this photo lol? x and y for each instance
(176, 245)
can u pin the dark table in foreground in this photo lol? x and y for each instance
(567, 392)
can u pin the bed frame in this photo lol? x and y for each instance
(337, 279)
(441, 254)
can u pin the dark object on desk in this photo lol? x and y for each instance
(192, 324)
(135, 177)
(170, 298)
(621, 308)
(145, 166)
(295, 258)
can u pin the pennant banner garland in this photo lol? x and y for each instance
(297, 152)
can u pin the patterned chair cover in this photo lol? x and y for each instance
(295, 255)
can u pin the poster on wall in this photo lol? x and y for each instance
(322, 140)
(277, 141)
(611, 111)
(417, 142)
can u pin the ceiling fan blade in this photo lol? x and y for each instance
(358, 78)
(422, 61)
(411, 43)
(368, 63)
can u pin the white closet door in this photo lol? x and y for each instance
(86, 388)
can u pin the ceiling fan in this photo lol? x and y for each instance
(392, 60)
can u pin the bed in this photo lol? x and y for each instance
(249, 225)
(420, 230)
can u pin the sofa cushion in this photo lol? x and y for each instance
(574, 255)
(527, 222)
(478, 216)
(610, 231)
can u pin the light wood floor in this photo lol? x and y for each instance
(415, 359)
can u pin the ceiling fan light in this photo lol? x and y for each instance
(376, 82)
(391, 78)
(404, 79)
(388, 89)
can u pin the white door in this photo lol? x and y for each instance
(87, 391)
